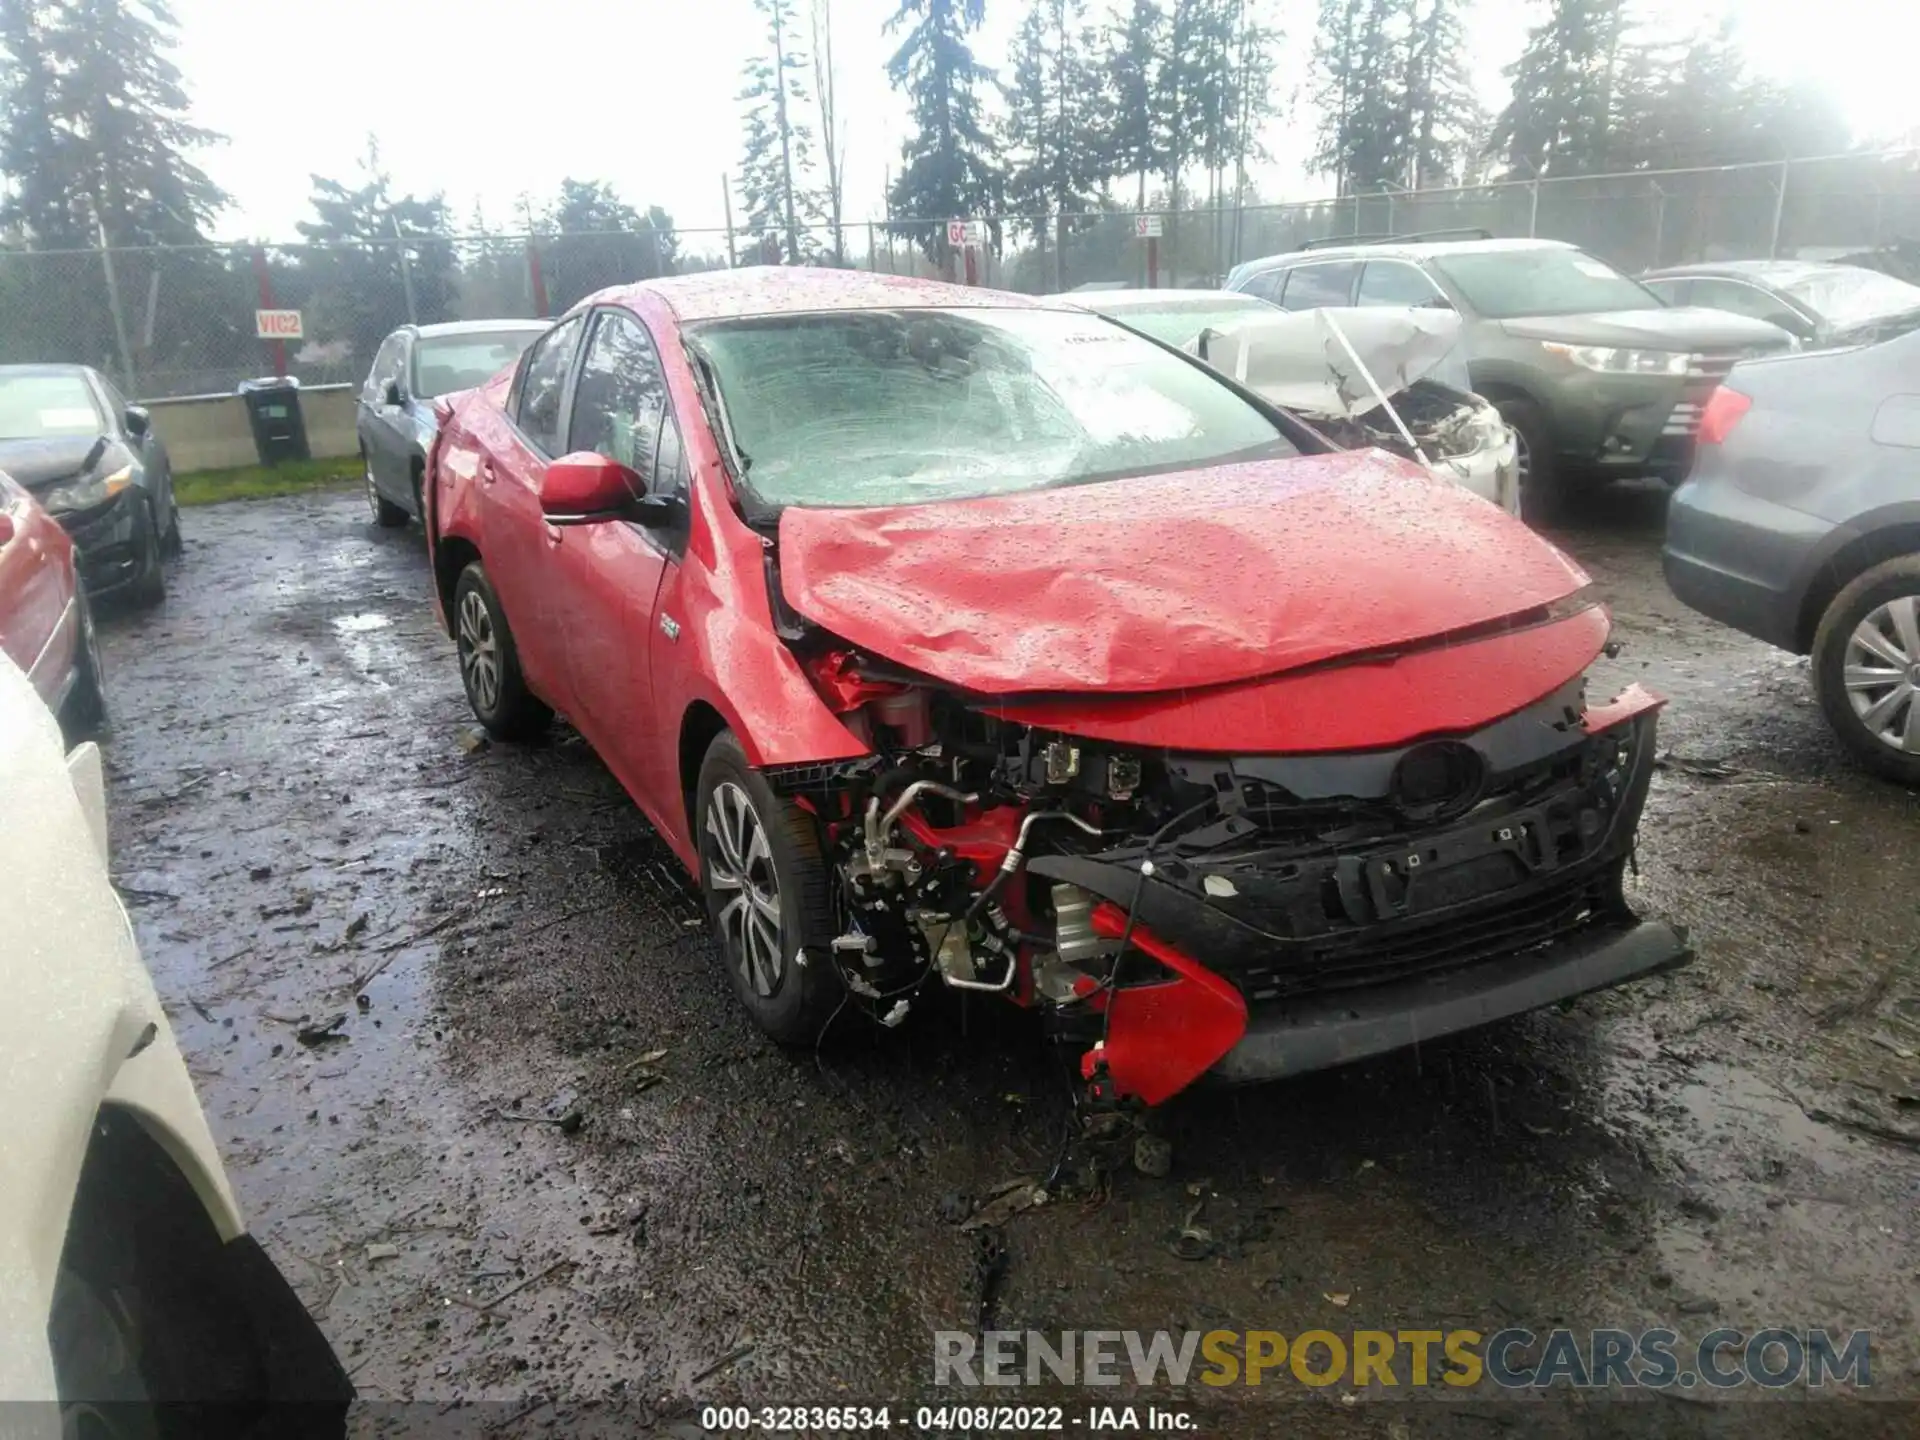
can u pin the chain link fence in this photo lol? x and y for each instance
(180, 321)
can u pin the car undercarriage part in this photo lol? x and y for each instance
(1153, 905)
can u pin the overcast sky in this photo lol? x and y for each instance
(489, 103)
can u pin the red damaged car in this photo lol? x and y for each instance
(954, 638)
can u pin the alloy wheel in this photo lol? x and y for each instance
(1522, 461)
(1882, 673)
(373, 491)
(739, 867)
(479, 652)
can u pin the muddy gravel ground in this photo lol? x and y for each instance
(487, 1100)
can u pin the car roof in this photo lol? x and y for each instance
(1400, 250)
(477, 327)
(1109, 301)
(1779, 272)
(51, 368)
(789, 290)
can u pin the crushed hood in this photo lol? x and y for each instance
(37, 464)
(1196, 578)
(1297, 359)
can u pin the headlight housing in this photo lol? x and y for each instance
(1611, 361)
(87, 492)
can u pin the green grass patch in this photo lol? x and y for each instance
(260, 482)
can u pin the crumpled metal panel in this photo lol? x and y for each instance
(1167, 582)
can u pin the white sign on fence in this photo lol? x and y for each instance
(1148, 227)
(278, 325)
(966, 232)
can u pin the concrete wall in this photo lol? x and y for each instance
(210, 432)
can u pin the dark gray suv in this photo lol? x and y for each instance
(1801, 526)
(1599, 377)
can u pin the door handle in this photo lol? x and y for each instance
(486, 470)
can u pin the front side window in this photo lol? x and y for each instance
(1506, 284)
(47, 406)
(1674, 292)
(1312, 287)
(1394, 282)
(891, 407)
(620, 395)
(543, 386)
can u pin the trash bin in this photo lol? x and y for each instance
(273, 410)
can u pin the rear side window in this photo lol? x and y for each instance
(543, 386)
(1674, 292)
(1312, 286)
(1394, 282)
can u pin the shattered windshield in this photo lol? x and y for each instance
(890, 407)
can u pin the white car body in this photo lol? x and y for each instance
(82, 1031)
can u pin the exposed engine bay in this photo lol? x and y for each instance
(1150, 903)
(1444, 423)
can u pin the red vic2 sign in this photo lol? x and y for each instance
(277, 324)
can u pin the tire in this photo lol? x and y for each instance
(150, 587)
(490, 662)
(96, 1350)
(1542, 489)
(1872, 629)
(171, 545)
(386, 514)
(84, 716)
(755, 844)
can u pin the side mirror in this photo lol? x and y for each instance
(391, 395)
(585, 488)
(137, 420)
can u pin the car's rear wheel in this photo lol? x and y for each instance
(769, 897)
(171, 544)
(84, 715)
(1541, 493)
(490, 662)
(1866, 668)
(386, 514)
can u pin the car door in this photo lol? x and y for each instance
(606, 576)
(390, 434)
(516, 446)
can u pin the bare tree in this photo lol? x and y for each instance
(830, 134)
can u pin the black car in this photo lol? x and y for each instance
(1821, 304)
(94, 462)
(416, 365)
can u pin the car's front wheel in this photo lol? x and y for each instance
(490, 662)
(150, 582)
(386, 514)
(768, 896)
(1866, 668)
(1541, 494)
(83, 716)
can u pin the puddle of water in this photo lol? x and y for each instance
(359, 624)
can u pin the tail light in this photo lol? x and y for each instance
(1723, 411)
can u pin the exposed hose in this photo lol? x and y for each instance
(1017, 855)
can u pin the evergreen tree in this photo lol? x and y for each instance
(95, 135)
(1054, 127)
(1133, 60)
(779, 148)
(950, 171)
(1358, 55)
(369, 251)
(1440, 116)
(1561, 117)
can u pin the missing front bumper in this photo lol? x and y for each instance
(1293, 1038)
